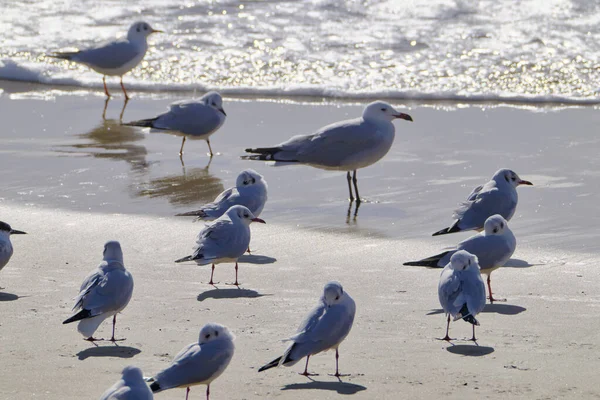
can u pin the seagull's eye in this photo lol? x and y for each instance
(384, 109)
(253, 180)
(495, 230)
(207, 336)
(514, 178)
(214, 104)
(337, 297)
(246, 216)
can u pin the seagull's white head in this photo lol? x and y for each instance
(382, 111)
(132, 374)
(140, 31)
(242, 214)
(7, 230)
(495, 225)
(463, 260)
(212, 332)
(113, 252)
(214, 100)
(333, 293)
(510, 177)
(248, 178)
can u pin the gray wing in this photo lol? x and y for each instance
(221, 239)
(492, 251)
(111, 56)
(473, 193)
(449, 291)
(222, 203)
(191, 117)
(472, 214)
(474, 292)
(128, 393)
(110, 292)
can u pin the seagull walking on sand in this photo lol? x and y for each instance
(103, 293)
(498, 196)
(343, 146)
(461, 290)
(6, 247)
(250, 191)
(197, 118)
(324, 328)
(493, 248)
(198, 363)
(131, 386)
(115, 58)
(224, 240)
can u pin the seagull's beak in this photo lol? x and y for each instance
(522, 182)
(403, 116)
(16, 232)
(262, 221)
(223, 111)
(157, 31)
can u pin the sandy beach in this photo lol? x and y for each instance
(72, 184)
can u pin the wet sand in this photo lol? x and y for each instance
(72, 183)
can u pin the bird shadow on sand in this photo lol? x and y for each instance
(256, 259)
(230, 293)
(498, 308)
(470, 350)
(8, 296)
(109, 351)
(517, 263)
(339, 387)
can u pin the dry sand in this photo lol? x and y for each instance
(539, 344)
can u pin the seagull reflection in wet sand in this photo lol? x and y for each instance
(192, 186)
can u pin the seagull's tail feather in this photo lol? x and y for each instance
(268, 154)
(431, 262)
(186, 258)
(155, 387)
(466, 315)
(445, 231)
(83, 314)
(198, 213)
(144, 123)
(68, 55)
(270, 365)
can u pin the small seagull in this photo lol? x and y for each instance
(198, 363)
(493, 248)
(131, 386)
(461, 290)
(115, 58)
(324, 328)
(6, 248)
(342, 146)
(103, 293)
(224, 240)
(498, 196)
(198, 118)
(250, 191)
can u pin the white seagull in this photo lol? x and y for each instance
(498, 196)
(6, 248)
(198, 118)
(250, 191)
(342, 146)
(115, 58)
(103, 293)
(198, 363)
(461, 290)
(131, 386)
(493, 248)
(224, 240)
(324, 328)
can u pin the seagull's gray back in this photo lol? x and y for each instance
(191, 118)
(493, 251)
(105, 290)
(222, 239)
(482, 204)
(114, 55)
(459, 287)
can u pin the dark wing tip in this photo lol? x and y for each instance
(155, 387)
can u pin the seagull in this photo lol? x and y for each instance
(498, 196)
(461, 290)
(324, 328)
(493, 247)
(250, 191)
(198, 363)
(131, 386)
(103, 293)
(224, 240)
(6, 248)
(343, 146)
(199, 118)
(115, 58)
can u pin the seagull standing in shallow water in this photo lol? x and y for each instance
(493, 248)
(461, 290)
(342, 146)
(324, 328)
(224, 240)
(103, 293)
(498, 196)
(6, 248)
(115, 58)
(198, 118)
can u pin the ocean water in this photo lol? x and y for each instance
(530, 50)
